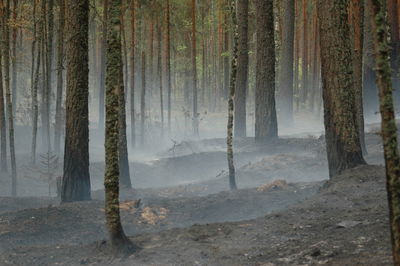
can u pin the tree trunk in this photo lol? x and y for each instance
(9, 103)
(114, 88)
(389, 130)
(304, 61)
(232, 86)
(143, 101)
(76, 179)
(132, 81)
(3, 129)
(342, 136)
(242, 68)
(103, 65)
(194, 72)
(266, 126)
(60, 68)
(168, 62)
(14, 77)
(160, 75)
(286, 69)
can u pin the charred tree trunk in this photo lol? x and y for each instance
(76, 179)
(132, 81)
(266, 125)
(14, 73)
(3, 129)
(242, 68)
(60, 68)
(234, 67)
(286, 69)
(342, 135)
(389, 130)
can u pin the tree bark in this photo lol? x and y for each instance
(60, 68)
(132, 81)
(168, 62)
(389, 129)
(266, 125)
(3, 128)
(342, 135)
(143, 102)
(195, 114)
(286, 69)
(14, 73)
(242, 68)
(76, 179)
(103, 65)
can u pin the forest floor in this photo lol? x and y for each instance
(285, 212)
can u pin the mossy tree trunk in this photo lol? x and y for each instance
(76, 179)
(114, 88)
(389, 130)
(342, 136)
(266, 125)
(242, 68)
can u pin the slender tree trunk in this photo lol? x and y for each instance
(266, 125)
(304, 61)
(194, 72)
(132, 81)
(168, 62)
(143, 101)
(76, 179)
(14, 77)
(342, 135)
(124, 50)
(3, 129)
(232, 86)
(120, 244)
(124, 172)
(389, 130)
(160, 76)
(286, 69)
(103, 65)
(9, 102)
(60, 68)
(242, 69)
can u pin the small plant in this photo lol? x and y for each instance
(48, 167)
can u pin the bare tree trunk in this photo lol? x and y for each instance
(60, 68)
(342, 136)
(14, 77)
(266, 125)
(103, 65)
(76, 179)
(132, 81)
(243, 69)
(3, 129)
(234, 66)
(168, 62)
(143, 101)
(389, 130)
(194, 72)
(160, 75)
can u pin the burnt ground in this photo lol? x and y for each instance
(301, 219)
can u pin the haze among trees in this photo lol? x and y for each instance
(117, 96)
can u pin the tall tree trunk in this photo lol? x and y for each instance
(304, 61)
(143, 101)
(168, 62)
(286, 69)
(103, 65)
(266, 125)
(3, 129)
(124, 173)
(356, 31)
(232, 85)
(14, 77)
(132, 81)
(9, 103)
(114, 88)
(389, 129)
(76, 179)
(243, 68)
(342, 136)
(194, 72)
(60, 68)
(160, 76)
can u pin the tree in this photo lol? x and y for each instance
(286, 68)
(143, 101)
(194, 72)
(232, 85)
(132, 81)
(389, 129)
(120, 244)
(242, 68)
(168, 61)
(60, 68)
(342, 136)
(3, 129)
(266, 125)
(76, 179)
(103, 65)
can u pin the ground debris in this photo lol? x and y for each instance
(276, 184)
